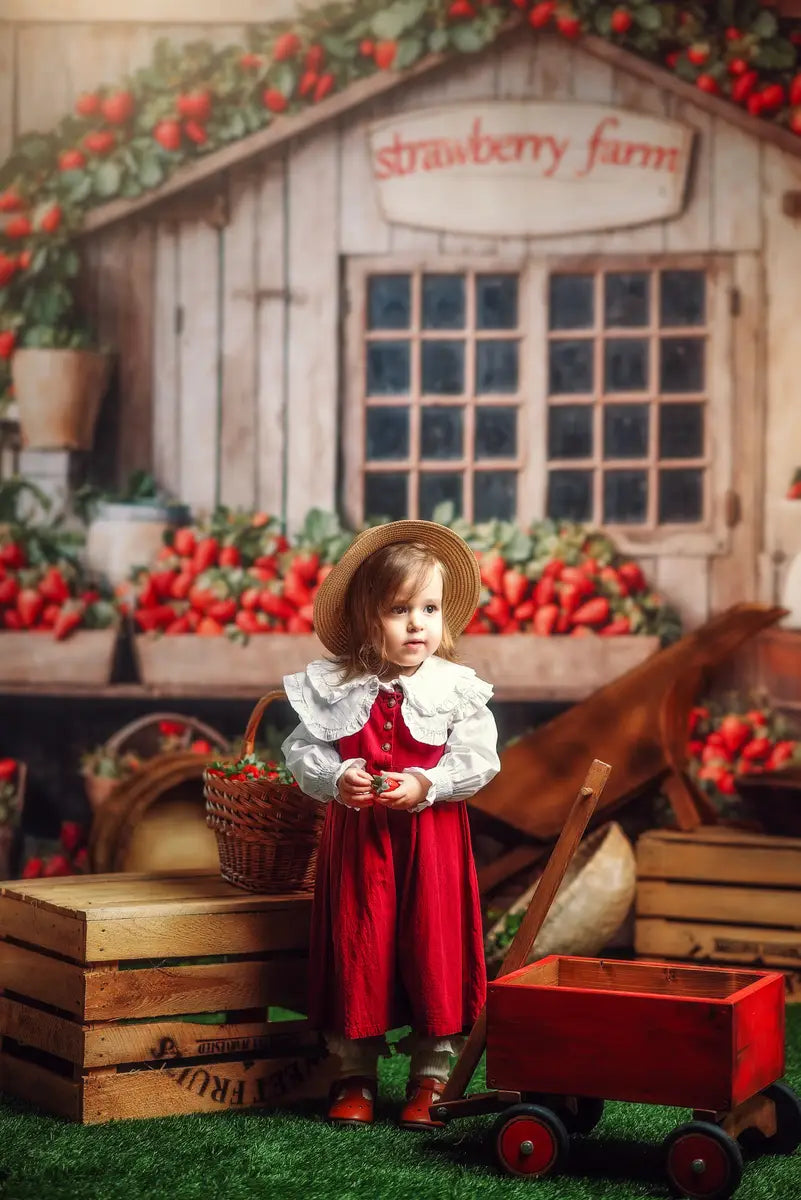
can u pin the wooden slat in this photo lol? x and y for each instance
(631, 92)
(362, 228)
(693, 229)
(45, 1030)
(166, 363)
(724, 836)
(759, 906)
(312, 199)
(40, 1086)
(7, 74)
(43, 95)
(713, 861)
(238, 446)
(474, 81)
(199, 355)
(198, 935)
(134, 348)
(50, 980)
(717, 943)
(656, 979)
(736, 177)
(271, 326)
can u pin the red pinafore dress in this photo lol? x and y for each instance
(396, 922)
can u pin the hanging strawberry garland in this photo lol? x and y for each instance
(127, 139)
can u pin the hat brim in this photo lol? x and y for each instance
(464, 579)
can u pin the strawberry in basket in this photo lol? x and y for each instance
(251, 766)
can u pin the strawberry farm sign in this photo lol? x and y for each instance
(526, 168)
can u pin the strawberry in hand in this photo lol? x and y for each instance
(405, 790)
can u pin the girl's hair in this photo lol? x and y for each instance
(390, 575)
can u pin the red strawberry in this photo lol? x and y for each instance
(10, 200)
(545, 620)
(71, 160)
(570, 597)
(274, 100)
(759, 747)
(8, 267)
(366, 48)
(11, 619)
(324, 85)
(738, 66)
(80, 861)
(196, 105)
(230, 557)
(568, 26)
(794, 490)
(732, 33)
(195, 132)
(247, 621)
(524, 611)
(33, 868)
(58, 864)
(698, 53)
(553, 569)
(53, 587)
(178, 626)
(715, 754)
(183, 542)
(735, 732)
(594, 612)
(118, 107)
(515, 586)
(298, 624)
(492, 569)
(772, 97)
(8, 340)
(315, 57)
(461, 8)
(384, 54)
(29, 606)
(18, 227)
(68, 620)
(708, 83)
(308, 82)
(756, 716)
(223, 611)
(208, 627)
(9, 590)
(87, 104)
(616, 628)
(168, 134)
(181, 585)
(99, 141)
(497, 610)
(632, 576)
(206, 554)
(782, 752)
(286, 46)
(743, 86)
(13, 555)
(201, 746)
(8, 769)
(50, 614)
(621, 21)
(795, 90)
(72, 835)
(306, 566)
(544, 591)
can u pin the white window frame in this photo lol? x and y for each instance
(711, 536)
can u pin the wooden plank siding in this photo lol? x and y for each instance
(237, 391)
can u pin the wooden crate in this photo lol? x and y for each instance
(721, 895)
(103, 1017)
(85, 659)
(623, 1031)
(519, 665)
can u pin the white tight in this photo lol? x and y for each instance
(430, 1056)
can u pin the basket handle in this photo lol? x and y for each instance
(249, 740)
(115, 743)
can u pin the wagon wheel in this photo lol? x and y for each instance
(787, 1137)
(578, 1114)
(702, 1162)
(530, 1141)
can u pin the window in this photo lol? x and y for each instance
(627, 397)
(588, 390)
(440, 393)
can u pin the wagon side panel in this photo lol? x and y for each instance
(654, 1049)
(758, 1037)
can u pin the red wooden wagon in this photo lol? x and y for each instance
(564, 1034)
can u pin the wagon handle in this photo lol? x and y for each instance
(550, 881)
(249, 740)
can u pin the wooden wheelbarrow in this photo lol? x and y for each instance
(564, 1034)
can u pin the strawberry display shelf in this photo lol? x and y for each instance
(84, 659)
(521, 666)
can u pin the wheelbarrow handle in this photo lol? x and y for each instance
(549, 884)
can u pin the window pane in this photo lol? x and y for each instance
(387, 433)
(625, 364)
(496, 432)
(435, 487)
(570, 367)
(494, 495)
(442, 433)
(681, 495)
(626, 299)
(496, 367)
(570, 430)
(571, 302)
(682, 366)
(625, 430)
(443, 302)
(443, 368)
(389, 303)
(570, 495)
(681, 430)
(387, 368)
(625, 497)
(682, 298)
(386, 495)
(496, 302)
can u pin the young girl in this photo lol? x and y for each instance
(396, 923)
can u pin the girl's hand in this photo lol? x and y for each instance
(410, 793)
(354, 788)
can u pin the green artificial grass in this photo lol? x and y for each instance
(295, 1155)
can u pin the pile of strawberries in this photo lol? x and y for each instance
(71, 858)
(794, 490)
(48, 598)
(724, 744)
(252, 766)
(237, 575)
(103, 764)
(564, 580)
(9, 791)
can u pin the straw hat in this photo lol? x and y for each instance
(464, 580)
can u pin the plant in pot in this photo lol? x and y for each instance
(50, 363)
(125, 529)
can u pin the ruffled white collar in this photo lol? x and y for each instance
(438, 694)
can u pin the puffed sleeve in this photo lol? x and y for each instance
(315, 764)
(469, 762)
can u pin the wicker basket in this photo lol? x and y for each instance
(267, 832)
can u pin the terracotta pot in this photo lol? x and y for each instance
(58, 394)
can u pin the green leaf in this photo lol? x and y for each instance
(438, 41)
(391, 22)
(151, 173)
(107, 179)
(409, 50)
(235, 127)
(338, 47)
(468, 39)
(603, 20)
(764, 25)
(283, 78)
(777, 56)
(648, 17)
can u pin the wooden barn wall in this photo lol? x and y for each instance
(230, 339)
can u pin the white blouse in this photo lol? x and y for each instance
(444, 703)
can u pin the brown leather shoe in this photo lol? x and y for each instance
(352, 1100)
(420, 1094)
